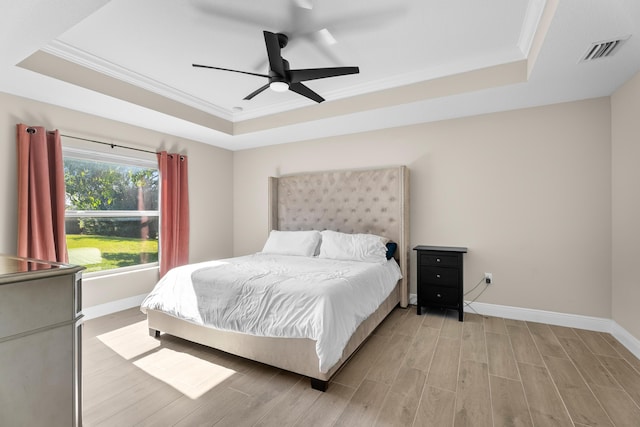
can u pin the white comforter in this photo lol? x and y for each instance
(278, 296)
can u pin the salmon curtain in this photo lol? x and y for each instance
(41, 195)
(174, 211)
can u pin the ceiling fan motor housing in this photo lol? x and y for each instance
(277, 82)
(276, 77)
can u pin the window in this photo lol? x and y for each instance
(111, 215)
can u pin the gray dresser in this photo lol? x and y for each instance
(40, 343)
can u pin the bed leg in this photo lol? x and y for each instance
(319, 385)
(154, 333)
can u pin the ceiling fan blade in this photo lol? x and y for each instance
(227, 69)
(257, 91)
(305, 4)
(276, 63)
(320, 73)
(303, 90)
(367, 20)
(325, 37)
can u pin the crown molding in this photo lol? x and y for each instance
(533, 15)
(101, 65)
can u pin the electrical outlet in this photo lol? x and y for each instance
(488, 278)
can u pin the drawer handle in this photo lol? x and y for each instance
(438, 276)
(437, 259)
(439, 295)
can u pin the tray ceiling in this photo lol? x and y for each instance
(420, 60)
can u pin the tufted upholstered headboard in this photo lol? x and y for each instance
(372, 201)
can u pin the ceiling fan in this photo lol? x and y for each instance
(281, 78)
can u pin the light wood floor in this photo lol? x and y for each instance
(428, 370)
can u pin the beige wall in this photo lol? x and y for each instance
(625, 131)
(210, 192)
(527, 191)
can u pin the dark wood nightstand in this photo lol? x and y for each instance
(439, 279)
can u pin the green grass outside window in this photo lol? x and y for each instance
(99, 253)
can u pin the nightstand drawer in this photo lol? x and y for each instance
(439, 276)
(441, 295)
(426, 258)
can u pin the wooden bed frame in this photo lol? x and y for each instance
(351, 201)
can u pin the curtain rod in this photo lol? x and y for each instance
(109, 144)
(112, 145)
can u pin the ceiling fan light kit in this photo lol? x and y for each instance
(281, 77)
(277, 86)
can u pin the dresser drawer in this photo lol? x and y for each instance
(431, 259)
(440, 295)
(439, 276)
(34, 304)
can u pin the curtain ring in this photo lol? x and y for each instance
(31, 130)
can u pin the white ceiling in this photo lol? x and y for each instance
(420, 61)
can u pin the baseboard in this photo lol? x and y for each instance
(626, 339)
(577, 321)
(112, 307)
(413, 299)
(542, 316)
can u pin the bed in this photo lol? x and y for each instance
(362, 203)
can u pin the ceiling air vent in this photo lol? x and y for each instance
(603, 49)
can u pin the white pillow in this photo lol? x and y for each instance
(353, 247)
(302, 243)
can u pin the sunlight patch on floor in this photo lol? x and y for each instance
(188, 374)
(130, 341)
